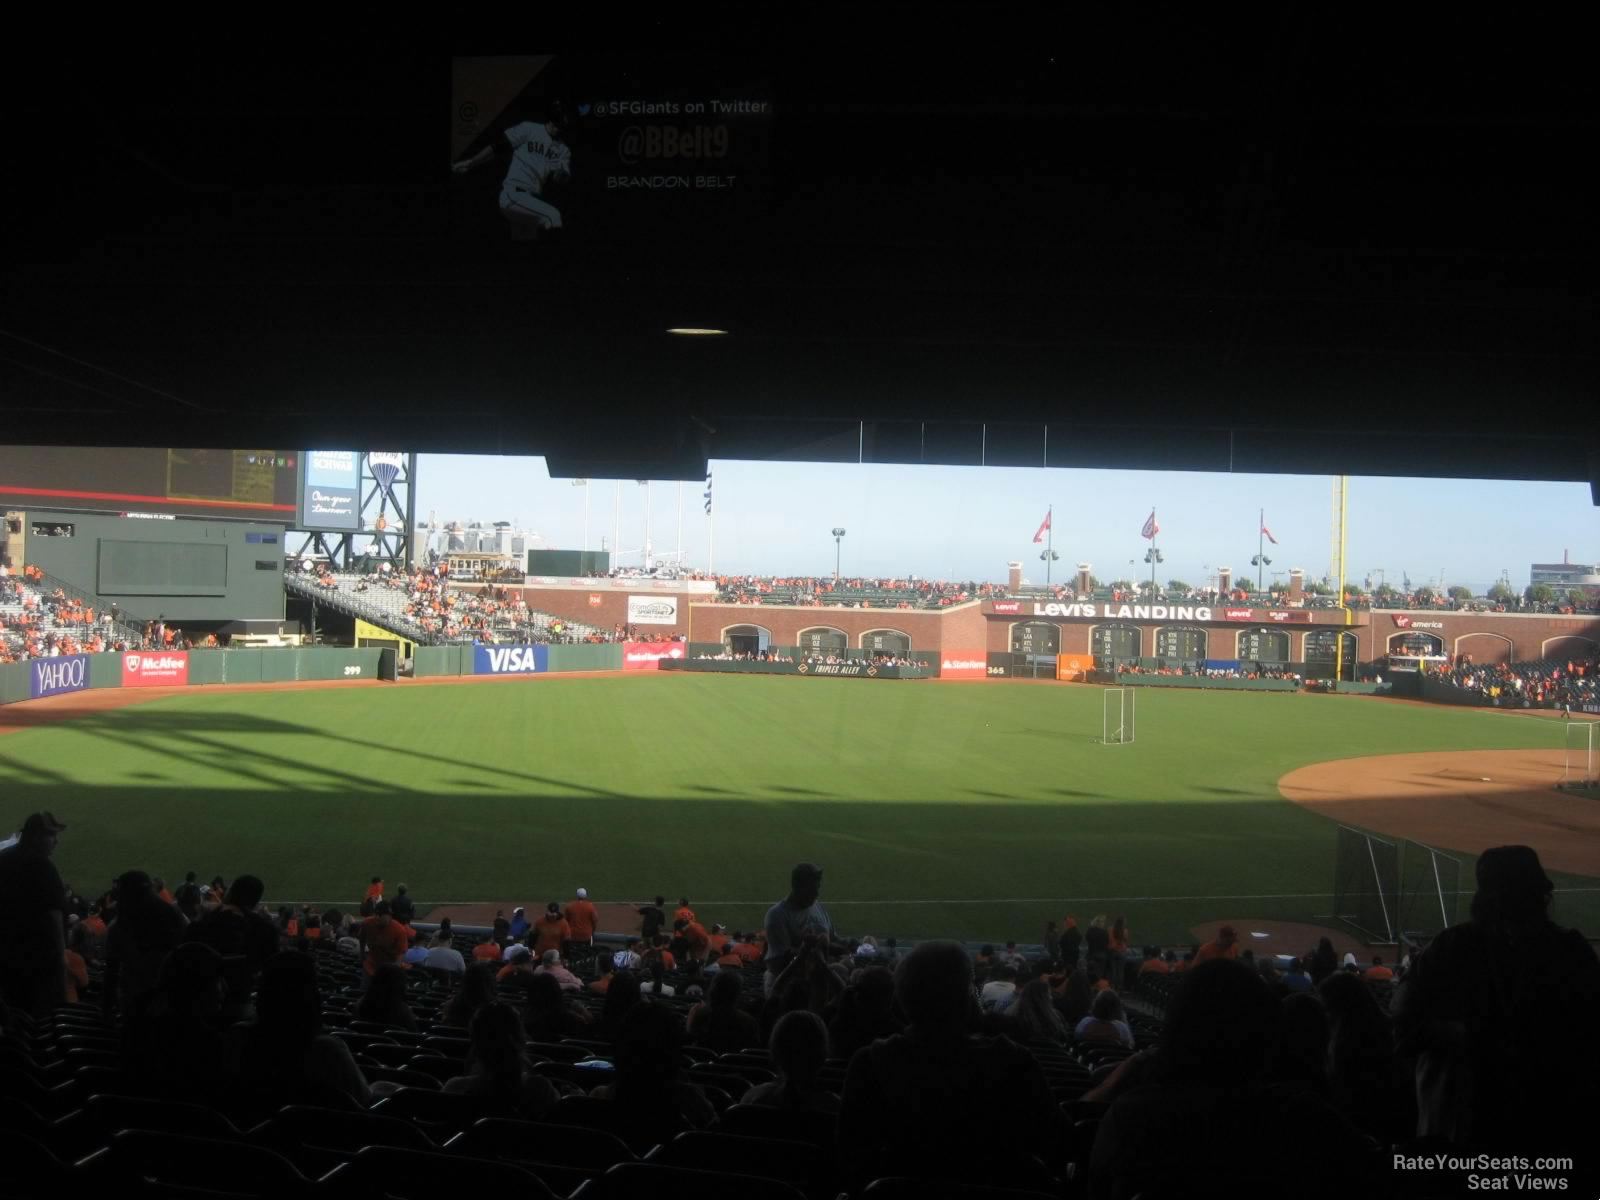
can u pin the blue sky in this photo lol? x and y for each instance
(968, 522)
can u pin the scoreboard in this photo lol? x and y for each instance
(1264, 645)
(256, 485)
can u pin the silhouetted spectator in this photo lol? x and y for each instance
(1499, 1014)
(551, 1016)
(866, 1012)
(621, 998)
(284, 1052)
(1212, 1099)
(1368, 1082)
(1071, 939)
(1106, 1022)
(173, 1042)
(911, 1098)
(242, 936)
(1034, 1019)
(33, 975)
(402, 906)
(145, 932)
(385, 1001)
(498, 1069)
(798, 1048)
(718, 1023)
(1324, 961)
(475, 990)
(651, 1100)
(1297, 1061)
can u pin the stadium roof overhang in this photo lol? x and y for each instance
(1236, 260)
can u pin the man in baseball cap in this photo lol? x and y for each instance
(33, 973)
(583, 919)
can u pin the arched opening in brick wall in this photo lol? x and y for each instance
(823, 640)
(1568, 646)
(1486, 648)
(886, 641)
(747, 639)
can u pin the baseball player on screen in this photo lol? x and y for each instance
(539, 154)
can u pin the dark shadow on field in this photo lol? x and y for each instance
(1205, 859)
(993, 795)
(1222, 791)
(202, 739)
(1070, 792)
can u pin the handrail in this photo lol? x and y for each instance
(129, 629)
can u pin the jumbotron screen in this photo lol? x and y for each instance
(260, 485)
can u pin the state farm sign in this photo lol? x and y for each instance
(155, 670)
(963, 664)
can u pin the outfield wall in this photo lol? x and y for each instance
(42, 677)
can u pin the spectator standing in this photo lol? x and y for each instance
(584, 921)
(243, 938)
(518, 926)
(1477, 1008)
(144, 933)
(1224, 945)
(792, 920)
(32, 919)
(187, 897)
(385, 939)
(551, 931)
(652, 920)
(402, 907)
(1071, 941)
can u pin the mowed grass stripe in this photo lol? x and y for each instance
(912, 795)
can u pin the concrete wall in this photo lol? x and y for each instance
(248, 592)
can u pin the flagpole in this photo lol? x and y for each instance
(1261, 547)
(1152, 550)
(1049, 541)
(585, 516)
(616, 527)
(680, 525)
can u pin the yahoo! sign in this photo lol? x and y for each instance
(53, 676)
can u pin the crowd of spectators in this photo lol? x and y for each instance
(1244, 670)
(41, 620)
(1054, 1062)
(826, 592)
(1545, 683)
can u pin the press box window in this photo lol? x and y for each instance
(46, 529)
(263, 564)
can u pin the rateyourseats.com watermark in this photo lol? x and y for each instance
(1493, 1173)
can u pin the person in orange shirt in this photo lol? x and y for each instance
(730, 957)
(1225, 945)
(520, 961)
(1153, 963)
(1377, 970)
(699, 941)
(746, 947)
(550, 930)
(683, 912)
(385, 938)
(486, 951)
(601, 985)
(374, 891)
(660, 952)
(161, 890)
(583, 918)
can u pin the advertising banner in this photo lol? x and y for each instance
(510, 660)
(1074, 667)
(1297, 614)
(645, 656)
(1004, 607)
(963, 664)
(1000, 665)
(53, 676)
(332, 480)
(846, 670)
(652, 610)
(159, 668)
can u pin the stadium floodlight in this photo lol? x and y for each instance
(838, 539)
(1153, 556)
(1258, 561)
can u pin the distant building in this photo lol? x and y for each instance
(1564, 576)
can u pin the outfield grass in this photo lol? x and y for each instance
(959, 809)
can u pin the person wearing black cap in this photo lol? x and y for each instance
(795, 919)
(33, 973)
(1499, 1015)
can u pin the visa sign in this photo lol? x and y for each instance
(510, 660)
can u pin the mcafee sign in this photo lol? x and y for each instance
(156, 669)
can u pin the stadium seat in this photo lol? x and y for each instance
(316, 1140)
(795, 1163)
(567, 1145)
(582, 1076)
(435, 1067)
(33, 1171)
(628, 1181)
(450, 1047)
(776, 1124)
(385, 1173)
(403, 1076)
(592, 1112)
(561, 1052)
(924, 1189)
(105, 1114)
(140, 1162)
(440, 1115)
(390, 1055)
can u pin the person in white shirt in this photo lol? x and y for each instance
(442, 956)
(1000, 993)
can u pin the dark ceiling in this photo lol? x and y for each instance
(1171, 245)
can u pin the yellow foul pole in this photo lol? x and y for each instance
(1338, 654)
